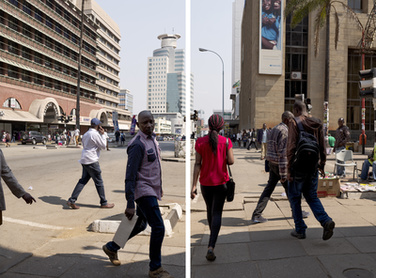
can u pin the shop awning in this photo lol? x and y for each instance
(19, 116)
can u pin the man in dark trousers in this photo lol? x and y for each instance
(143, 186)
(276, 156)
(306, 184)
(93, 141)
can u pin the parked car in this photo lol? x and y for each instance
(33, 137)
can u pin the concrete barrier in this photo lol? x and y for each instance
(172, 213)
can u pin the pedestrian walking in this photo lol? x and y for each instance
(303, 177)
(93, 142)
(122, 138)
(13, 184)
(143, 186)
(252, 139)
(213, 153)
(245, 138)
(342, 137)
(117, 135)
(277, 159)
(8, 139)
(262, 138)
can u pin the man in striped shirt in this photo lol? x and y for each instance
(276, 156)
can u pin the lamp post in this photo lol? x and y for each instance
(207, 50)
(78, 87)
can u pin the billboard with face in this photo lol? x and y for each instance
(271, 21)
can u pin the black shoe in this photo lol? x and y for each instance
(210, 256)
(328, 230)
(297, 235)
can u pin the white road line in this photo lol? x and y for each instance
(33, 224)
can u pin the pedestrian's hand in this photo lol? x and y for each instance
(28, 198)
(130, 212)
(194, 193)
(321, 170)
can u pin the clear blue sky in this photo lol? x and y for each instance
(140, 23)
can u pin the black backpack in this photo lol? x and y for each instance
(307, 152)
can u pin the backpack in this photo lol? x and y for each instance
(307, 152)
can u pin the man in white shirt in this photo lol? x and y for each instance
(93, 141)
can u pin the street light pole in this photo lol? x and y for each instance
(78, 87)
(207, 50)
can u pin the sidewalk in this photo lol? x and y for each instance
(267, 250)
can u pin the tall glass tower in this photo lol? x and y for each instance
(166, 77)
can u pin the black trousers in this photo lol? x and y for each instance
(214, 196)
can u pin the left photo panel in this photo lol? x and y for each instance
(93, 120)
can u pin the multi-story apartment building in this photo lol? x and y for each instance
(108, 60)
(166, 77)
(125, 100)
(39, 46)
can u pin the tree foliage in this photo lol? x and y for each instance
(299, 9)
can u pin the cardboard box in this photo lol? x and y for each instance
(329, 187)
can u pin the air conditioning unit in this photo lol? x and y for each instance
(295, 75)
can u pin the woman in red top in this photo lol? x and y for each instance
(211, 160)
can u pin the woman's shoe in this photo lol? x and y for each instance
(210, 255)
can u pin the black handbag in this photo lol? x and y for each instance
(230, 185)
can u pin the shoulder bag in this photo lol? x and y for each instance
(230, 185)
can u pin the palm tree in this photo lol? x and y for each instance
(299, 9)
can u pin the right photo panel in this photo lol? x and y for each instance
(282, 138)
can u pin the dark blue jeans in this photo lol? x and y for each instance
(90, 171)
(148, 211)
(308, 186)
(274, 177)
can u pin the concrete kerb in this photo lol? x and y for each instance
(172, 215)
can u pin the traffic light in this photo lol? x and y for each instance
(194, 116)
(367, 86)
(68, 119)
(62, 117)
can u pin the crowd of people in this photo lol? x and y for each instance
(281, 147)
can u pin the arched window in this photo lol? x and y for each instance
(12, 103)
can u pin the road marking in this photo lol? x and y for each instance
(33, 224)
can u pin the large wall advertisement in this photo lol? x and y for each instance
(271, 20)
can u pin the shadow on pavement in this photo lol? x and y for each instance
(15, 264)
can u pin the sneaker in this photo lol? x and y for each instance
(108, 206)
(328, 230)
(113, 256)
(298, 235)
(305, 214)
(72, 205)
(210, 255)
(159, 273)
(259, 219)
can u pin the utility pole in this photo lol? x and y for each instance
(78, 89)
